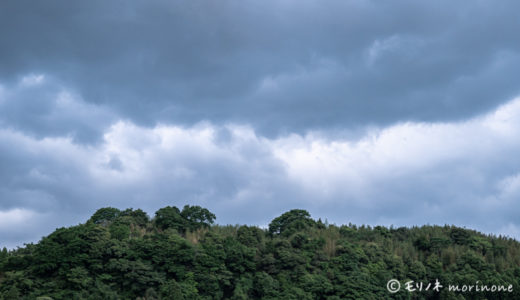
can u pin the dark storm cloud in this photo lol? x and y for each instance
(282, 66)
(251, 108)
(40, 107)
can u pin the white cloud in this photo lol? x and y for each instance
(15, 217)
(32, 80)
(409, 173)
(401, 150)
(22, 225)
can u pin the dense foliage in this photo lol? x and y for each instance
(181, 255)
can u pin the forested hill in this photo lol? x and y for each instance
(180, 254)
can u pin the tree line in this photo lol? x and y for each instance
(182, 254)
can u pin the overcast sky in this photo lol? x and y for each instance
(372, 112)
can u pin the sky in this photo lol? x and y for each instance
(395, 113)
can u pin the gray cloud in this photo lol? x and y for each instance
(361, 111)
(41, 107)
(280, 66)
(406, 174)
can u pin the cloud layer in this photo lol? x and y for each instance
(280, 66)
(410, 173)
(359, 111)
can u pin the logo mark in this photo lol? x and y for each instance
(393, 286)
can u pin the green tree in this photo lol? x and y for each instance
(120, 255)
(104, 216)
(170, 217)
(138, 216)
(171, 290)
(197, 217)
(12, 294)
(291, 222)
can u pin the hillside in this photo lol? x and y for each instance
(180, 254)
